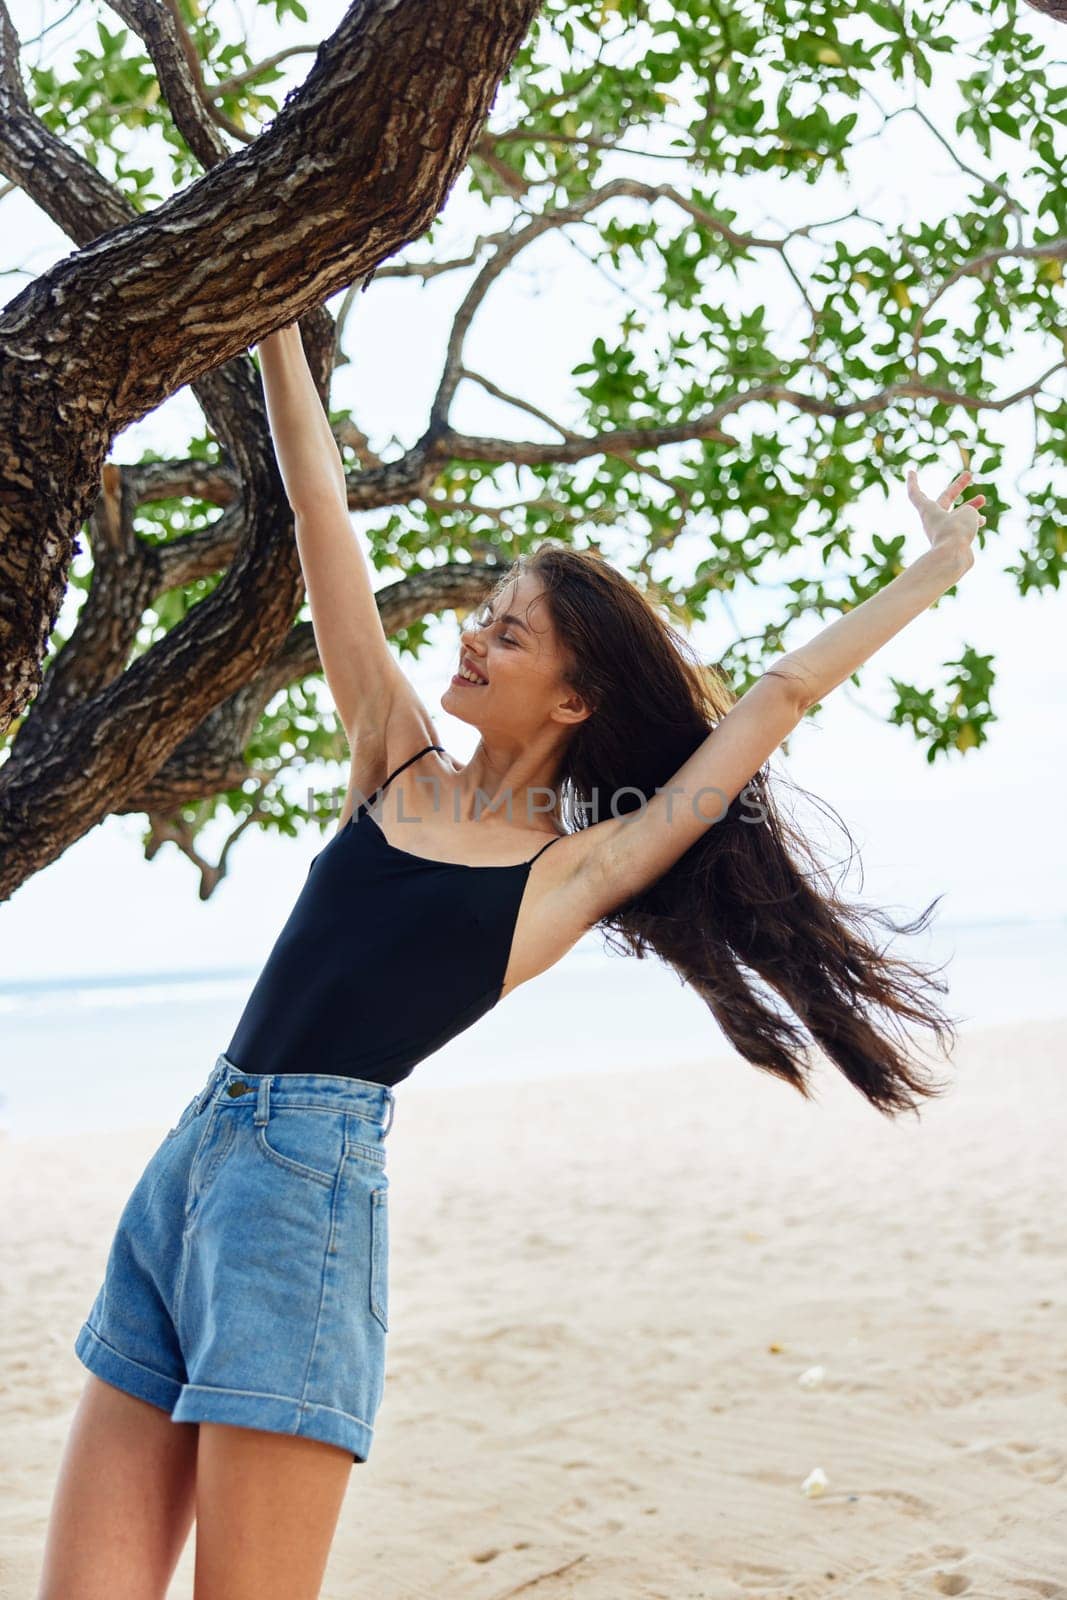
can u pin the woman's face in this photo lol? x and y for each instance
(511, 646)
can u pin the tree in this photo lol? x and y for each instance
(185, 688)
(1052, 8)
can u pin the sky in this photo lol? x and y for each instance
(984, 830)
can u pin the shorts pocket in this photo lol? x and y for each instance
(308, 1143)
(379, 1255)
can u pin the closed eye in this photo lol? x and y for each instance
(485, 617)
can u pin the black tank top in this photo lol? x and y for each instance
(384, 957)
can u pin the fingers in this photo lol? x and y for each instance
(958, 483)
(974, 502)
(945, 499)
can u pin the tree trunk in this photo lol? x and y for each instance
(357, 163)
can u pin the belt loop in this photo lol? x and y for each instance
(209, 1088)
(262, 1115)
(389, 1120)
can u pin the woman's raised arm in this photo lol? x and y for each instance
(625, 855)
(360, 670)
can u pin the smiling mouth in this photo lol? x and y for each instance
(473, 681)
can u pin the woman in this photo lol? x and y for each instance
(614, 784)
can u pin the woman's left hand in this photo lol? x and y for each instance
(944, 525)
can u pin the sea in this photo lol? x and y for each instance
(130, 1049)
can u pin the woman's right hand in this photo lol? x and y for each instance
(948, 528)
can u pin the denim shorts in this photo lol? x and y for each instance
(247, 1279)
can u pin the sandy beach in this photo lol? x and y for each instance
(606, 1293)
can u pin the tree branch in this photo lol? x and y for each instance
(509, 245)
(513, 400)
(211, 758)
(177, 66)
(171, 830)
(219, 91)
(1048, 250)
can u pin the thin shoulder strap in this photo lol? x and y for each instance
(544, 847)
(400, 769)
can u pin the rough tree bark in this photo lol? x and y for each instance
(357, 163)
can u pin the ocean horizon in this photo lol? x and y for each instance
(110, 1050)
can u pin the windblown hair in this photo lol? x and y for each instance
(749, 911)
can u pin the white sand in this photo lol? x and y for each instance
(603, 1293)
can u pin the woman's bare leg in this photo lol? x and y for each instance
(123, 1502)
(266, 1509)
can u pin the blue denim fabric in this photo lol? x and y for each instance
(247, 1281)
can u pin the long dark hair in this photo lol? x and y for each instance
(749, 909)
